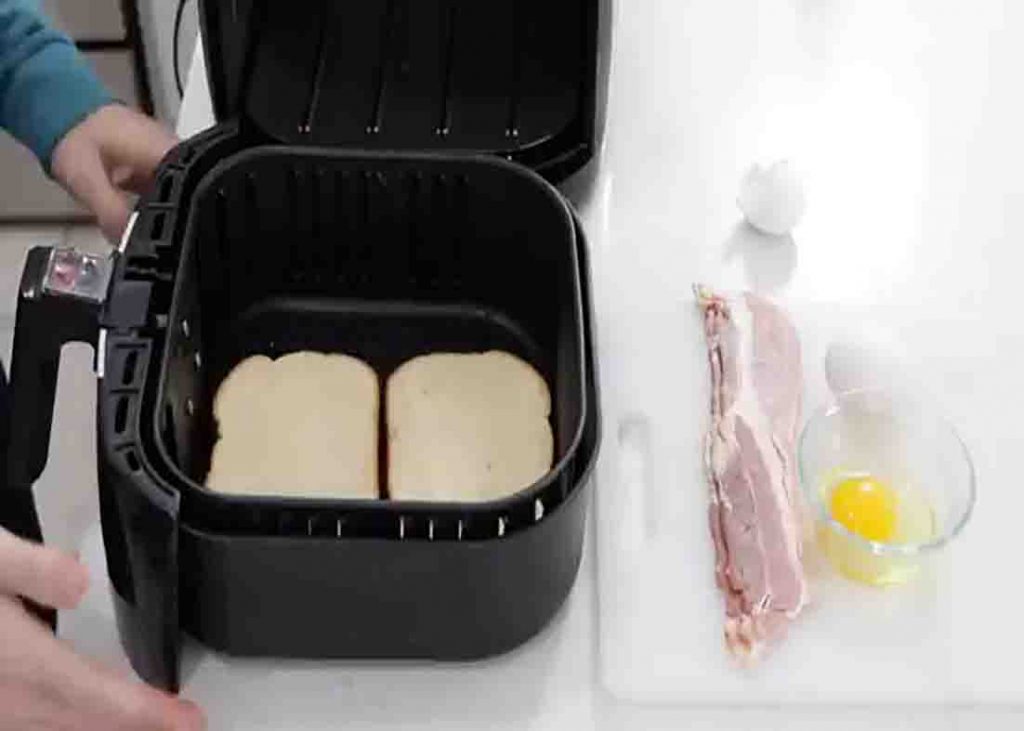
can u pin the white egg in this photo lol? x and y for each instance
(865, 359)
(772, 198)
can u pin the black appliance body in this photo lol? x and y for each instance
(381, 184)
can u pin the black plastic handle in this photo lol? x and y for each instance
(45, 322)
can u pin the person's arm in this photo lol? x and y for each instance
(51, 101)
(45, 87)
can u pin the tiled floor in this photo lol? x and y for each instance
(66, 493)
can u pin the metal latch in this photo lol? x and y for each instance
(72, 273)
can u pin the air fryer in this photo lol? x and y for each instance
(376, 190)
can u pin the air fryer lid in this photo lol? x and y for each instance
(515, 79)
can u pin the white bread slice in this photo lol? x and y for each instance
(304, 425)
(466, 427)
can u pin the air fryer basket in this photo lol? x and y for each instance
(380, 254)
(384, 257)
(300, 578)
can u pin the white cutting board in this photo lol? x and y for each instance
(904, 117)
(949, 637)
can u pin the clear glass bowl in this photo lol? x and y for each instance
(918, 457)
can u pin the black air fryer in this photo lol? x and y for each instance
(382, 187)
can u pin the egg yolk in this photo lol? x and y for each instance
(865, 506)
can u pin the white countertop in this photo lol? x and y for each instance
(905, 116)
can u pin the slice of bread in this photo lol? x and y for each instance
(466, 427)
(304, 425)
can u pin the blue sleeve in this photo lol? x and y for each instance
(46, 86)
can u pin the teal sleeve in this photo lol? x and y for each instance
(46, 86)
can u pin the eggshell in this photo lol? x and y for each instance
(772, 198)
(865, 359)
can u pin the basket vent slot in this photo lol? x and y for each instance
(131, 363)
(156, 231)
(121, 415)
(169, 433)
(166, 188)
(132, 459)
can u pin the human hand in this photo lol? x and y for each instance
(44, 685)
(110, 154)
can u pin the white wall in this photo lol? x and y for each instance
(157, 18)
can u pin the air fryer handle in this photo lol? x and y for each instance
(58, 302)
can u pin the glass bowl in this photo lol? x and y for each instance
(870, 438)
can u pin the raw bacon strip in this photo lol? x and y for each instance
(756, 379)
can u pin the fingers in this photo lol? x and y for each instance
(142, 151)
(111, 207)
(78, 166)
(56, 688)
(112, 151)
(132, 145)
(40, 573)
(113, 214)
(121, 703)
